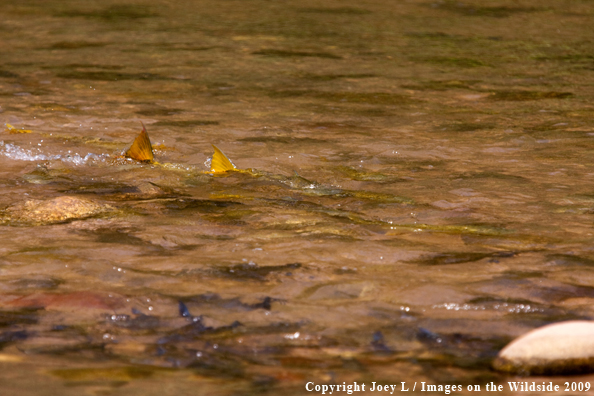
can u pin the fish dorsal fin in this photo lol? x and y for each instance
(220, 162)
(141, 149)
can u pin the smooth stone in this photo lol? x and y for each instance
(56, 210)
(556, 349)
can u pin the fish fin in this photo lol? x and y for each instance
(220, 162)
(12, 129)
(141, 149)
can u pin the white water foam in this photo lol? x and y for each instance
(17, 153)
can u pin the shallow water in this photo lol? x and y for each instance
(427, 198)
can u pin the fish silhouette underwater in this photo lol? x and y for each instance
(221, 165)
(141, 150)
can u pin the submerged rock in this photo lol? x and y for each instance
(556, 349)
(56, 210)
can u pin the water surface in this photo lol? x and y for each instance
(428, 198)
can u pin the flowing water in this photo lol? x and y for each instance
(425, 193)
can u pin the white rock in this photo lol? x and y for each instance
(560, 348)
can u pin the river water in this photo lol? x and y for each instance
(425, 193)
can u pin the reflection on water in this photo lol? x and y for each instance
(420, 192)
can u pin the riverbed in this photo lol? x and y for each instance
(422, 192)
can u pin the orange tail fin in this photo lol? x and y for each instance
(141, 149)
(220, 162)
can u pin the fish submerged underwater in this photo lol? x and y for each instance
(135, 175)
(139, 184)
(141, 150)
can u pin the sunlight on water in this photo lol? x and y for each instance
(413, 190)
(15, 152)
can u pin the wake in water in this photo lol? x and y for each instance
(15, 152)
(141, 150)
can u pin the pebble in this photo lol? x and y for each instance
(556, 349)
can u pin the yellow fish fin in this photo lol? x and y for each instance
(141, 149)
(220, 162)
(12, 129)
